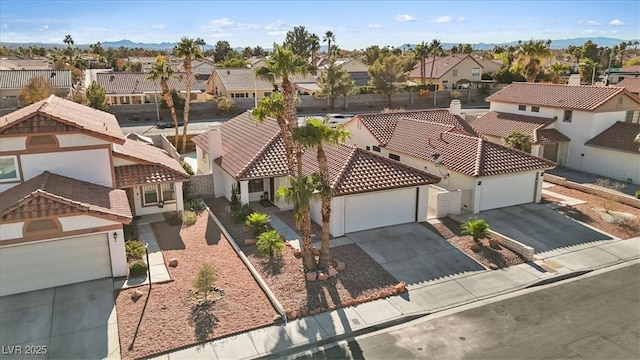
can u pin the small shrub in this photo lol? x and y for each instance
(637, 194)
(235, 200)
(270, 243)
(475, 227)
(610, 184)
(204, 281)
(241, 214)
(189, 218)
(131, 231)
(187, 167)
(196, 205)
(134, 249)
(173, 218)
(138, 268)
(257, 222)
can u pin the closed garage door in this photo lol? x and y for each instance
(52, 263)
(503, 191)
(378, 209)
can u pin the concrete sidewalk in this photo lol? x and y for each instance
(278, 340)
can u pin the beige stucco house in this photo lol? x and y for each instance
(450, 72)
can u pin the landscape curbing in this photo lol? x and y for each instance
(593, 190)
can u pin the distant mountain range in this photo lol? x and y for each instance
(555, 44)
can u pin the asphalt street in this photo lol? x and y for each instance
(591, 317)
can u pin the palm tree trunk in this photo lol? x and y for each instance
(172, 109)
(308, 258)
(422, 69)
(433, 63)
(325, 255)
(187, 105)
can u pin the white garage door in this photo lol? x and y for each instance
(52, 263)
(503, 191)
(374, 210)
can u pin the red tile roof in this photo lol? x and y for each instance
(50, 194)
(549, 136)
(154, 165)
(459, 152)
(620, 136)
(202, 140)
(577, 97)
(502, 124)
(69, 113)
(382, 125)
(125, 82)
(631, 84)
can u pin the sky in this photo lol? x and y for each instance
(355, 24)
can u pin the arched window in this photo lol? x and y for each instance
(42, 142)
(49, 226)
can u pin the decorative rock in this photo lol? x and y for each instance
(250, 242)
(323, 276)
(315, 251)
(297, 254)
(334, 262)
(312, 276)
(276, 318)
(493, 266)
(291, 314)
(475, 247)
(400, 287)
(332, 271)
(173, 262)
(137, 294)
(340, 266)
(495, 244)
(315, 311)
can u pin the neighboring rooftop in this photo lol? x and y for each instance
(577, 97)
(123, 82)
(17, 79)
(501, 124)
(154, 165)
(631, 84)
(620, 136)
(241, 79)
(441, 65)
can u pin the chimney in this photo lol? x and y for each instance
(215, 144)
(455, 107)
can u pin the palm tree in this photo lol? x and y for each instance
(189, 49)
(68, 40)
(315, 133)
(556, 69)
(435, 47)
(422, 52)
(585, 64)
(301, 191)
(530, 55)
(162, 71)
(519, 141)
(314, 46)
(328, 38)
(477, 228)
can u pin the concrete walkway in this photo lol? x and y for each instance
(279, 340)
(290, 235)
(157, 266)
(565, 200)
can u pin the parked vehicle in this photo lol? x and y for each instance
(338, 119)
(168, 125)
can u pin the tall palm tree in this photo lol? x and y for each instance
(422, 52)
(301, 191)
(530, 55)
(586, 63)
(556, 69)
(162, 71)
(435, 48)
(315, 133)
(328, 38)
(314, 46)
(69, 41)
(188, 49)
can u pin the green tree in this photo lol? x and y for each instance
(205, 279)
(421, 52)
(222, 51)
(162, 71)
(135, 66)
(587, 69)
(435, 48)
(556, 70)
(329, 37)
(69, 51)
(97, 97)
(477, 228)
(178, 101)
(298, 40)
(270, 243)
(387, 74)
(314, 47)
(589, 50)
(257, 222)
(39, 88)
(335, 81)
(97, 48)
(233, 63)
(519, 141)
(188, 49)
(530, 55)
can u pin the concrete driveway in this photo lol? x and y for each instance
(74, 322)
(413, 253)
(539, 226)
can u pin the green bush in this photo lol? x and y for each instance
(257, 222)
(205, 279)
(131, 231)
(187, 167)
(134, 249)
(138, 268)
(196, 205)
(475, 227)
(234, 204)
(270, 243)
(189, 218)
(241, 213)
(637, 194)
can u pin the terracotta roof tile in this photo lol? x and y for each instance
(17, 79)
(19, 202)
(441, 66)
(125, 82)
(154, 164)
(631, 84)
(70, 113)
(459, 152)
(549, 136)
(382, 125)
(202, 141)
(241, 79)
(577, 97)
(620, 136)
(502, 124)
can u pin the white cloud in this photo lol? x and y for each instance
(158, 27)
(375, 26)
(405, 18)
(44, 27)
(442, 19)
(589, 22)
(221, 23)
(616, 22)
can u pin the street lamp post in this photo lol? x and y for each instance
(146, 250)
(255, 87)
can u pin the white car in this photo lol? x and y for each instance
(338, 119)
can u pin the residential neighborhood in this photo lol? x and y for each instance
(240, 189)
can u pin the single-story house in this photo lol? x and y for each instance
(13, 81)
(125, 87)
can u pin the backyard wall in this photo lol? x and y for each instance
(200, 186)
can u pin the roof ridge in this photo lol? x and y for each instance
(259, 154)
(395, 163)
(343, 170)
(479, 163)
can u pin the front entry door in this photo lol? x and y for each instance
(271, 189)
(550, 152)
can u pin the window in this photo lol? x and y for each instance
(535, 109)
(368, 147)
(522, 107)
(9, 168)
(475, 72)
(149, 195)
(42, 225)
(256, 185)
(205, 157)
(568, 114)
(42, 141)
(394, 157)
(376, 148)
(168, 192)
(455, 72)
(632, 116)
(237, 96)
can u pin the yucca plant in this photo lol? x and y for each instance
(475, 227)
(257, 222)
(270, 243)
